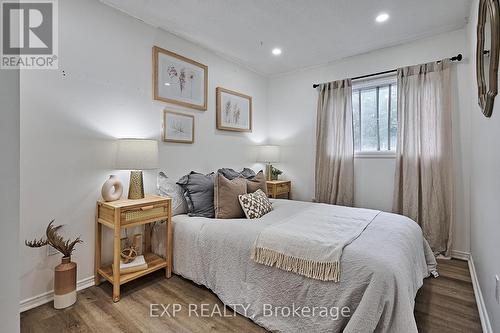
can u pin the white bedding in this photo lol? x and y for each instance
(381, 273)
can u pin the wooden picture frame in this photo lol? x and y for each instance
(488, 88)
(179, 80)
(178, 127)
(233, 111)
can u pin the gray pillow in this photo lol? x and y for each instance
(199, 193)
(168, 188)
(231, 174)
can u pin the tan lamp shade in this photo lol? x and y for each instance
(137, 155)
(268, 154)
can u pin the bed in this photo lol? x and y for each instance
(381, 272)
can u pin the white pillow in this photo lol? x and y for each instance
(168, 188)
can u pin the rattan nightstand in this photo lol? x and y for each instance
(126, 214)
(276, 188)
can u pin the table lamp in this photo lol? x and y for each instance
(137, 155)
(268, 154)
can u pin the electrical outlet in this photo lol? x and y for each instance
(51, 251)
(497, 289)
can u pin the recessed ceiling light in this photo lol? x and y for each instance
(167, 84)
(382, 17)
(276, 51)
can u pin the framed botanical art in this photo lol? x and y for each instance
(233, 111)
(178, 127)
(179, 80)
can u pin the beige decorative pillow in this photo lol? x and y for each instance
(255, 204)
(226, 194)
(257, 182)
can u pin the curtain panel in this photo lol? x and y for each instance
(423, 183)
(334, 171)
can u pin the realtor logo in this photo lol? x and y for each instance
(29, 34)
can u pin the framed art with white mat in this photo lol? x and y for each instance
(233, 111)
(179, 80)
(178, 127)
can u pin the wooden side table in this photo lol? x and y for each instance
(126, 214)
(275, 188)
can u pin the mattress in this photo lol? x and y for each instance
(381, 273)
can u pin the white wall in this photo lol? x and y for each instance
(485, 190)
(374, 182)
(69, 123)
(292, 109)
(9, 200)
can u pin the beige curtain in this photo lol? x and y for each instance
(423, 185)
(334, 176)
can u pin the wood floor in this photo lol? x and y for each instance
(445, 304)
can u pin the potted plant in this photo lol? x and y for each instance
(275, 173)
(65, 272)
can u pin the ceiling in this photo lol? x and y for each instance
(310, 32)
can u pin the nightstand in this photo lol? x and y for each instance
(276, 188)
(126, 214)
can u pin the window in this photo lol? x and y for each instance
(375, 123)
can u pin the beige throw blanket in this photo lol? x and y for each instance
(311, 242)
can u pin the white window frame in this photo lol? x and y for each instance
(375, 154)
(371, 83)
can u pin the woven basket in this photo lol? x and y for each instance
(143, 214)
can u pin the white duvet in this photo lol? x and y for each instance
(381, 273)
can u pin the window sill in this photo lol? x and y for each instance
(375, 154)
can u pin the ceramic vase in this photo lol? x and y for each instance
(112, 189)
(65, 284)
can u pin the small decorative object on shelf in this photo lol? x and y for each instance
(130, 251)
(136, 243)
(65, 272)
(112, 189)
(275, 172)
(128, 255)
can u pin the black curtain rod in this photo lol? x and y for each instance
(455, 58)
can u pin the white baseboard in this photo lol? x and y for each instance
(38, 300)
(483, 314)
(462, 255)
(48, 296)
(481, 307)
